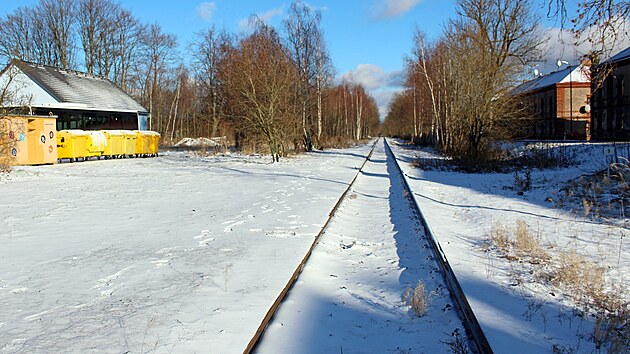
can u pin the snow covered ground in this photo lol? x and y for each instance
(349, 296)
(517, 312)
(172, 254)
(183, 254)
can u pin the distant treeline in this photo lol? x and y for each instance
(271, 90)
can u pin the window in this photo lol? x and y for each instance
(619, 89)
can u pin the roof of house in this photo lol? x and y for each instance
(574, 74)
(72, 87)
(624, 54)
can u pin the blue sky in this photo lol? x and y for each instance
(367, 39)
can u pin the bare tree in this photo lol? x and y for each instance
(109, 36)
(324, 73)
(15, 35)
(303, 33)
(490, 42)
(458, 86)
(601, 23)
(158, 50)
(261, 88)
(210, 48)
(58, 17)
(128, 35)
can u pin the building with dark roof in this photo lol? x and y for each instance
(610, 102)
(557, 104)
(79, 100)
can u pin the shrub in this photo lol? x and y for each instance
(417, 298)
(612, 331)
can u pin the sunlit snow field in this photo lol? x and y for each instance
(184, 253)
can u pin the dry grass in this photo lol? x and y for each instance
(526, 243)
(417, 298)
(500, 238)
(583, 278)
(603, 195)
(519, 243)
(585, 282)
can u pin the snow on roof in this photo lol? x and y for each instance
(574, 74)
(76, 89)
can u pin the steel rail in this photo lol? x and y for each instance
(473, 329)
(276, 304)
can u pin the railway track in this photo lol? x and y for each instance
(374, 175)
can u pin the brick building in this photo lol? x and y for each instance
(558, 103)
(610, 102)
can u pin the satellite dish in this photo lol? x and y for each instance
(536, 72)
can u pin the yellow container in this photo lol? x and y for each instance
(28, 140)
(143, 143)
(115, 143)
(130, 143)
(47, 141)
(96, 143)
(13, 145)
(154, 145)
(72, 144)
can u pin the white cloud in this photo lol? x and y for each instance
(388, 9)
(561, 45)
(373, 77)
(380, 84)
(383, 98)
(205, 10)
(267, 16)
(315, 8)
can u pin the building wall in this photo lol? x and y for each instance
(541, 105)
(22, 91)
(610, 103)
(555, 112)
(572, 99)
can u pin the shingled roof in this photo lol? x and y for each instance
(73, 87)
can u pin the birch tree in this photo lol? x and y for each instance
(209, 49)
(303, 33)
(159, 52)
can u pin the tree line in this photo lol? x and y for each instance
(456, 90)
(456, 95)
(271, 90)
